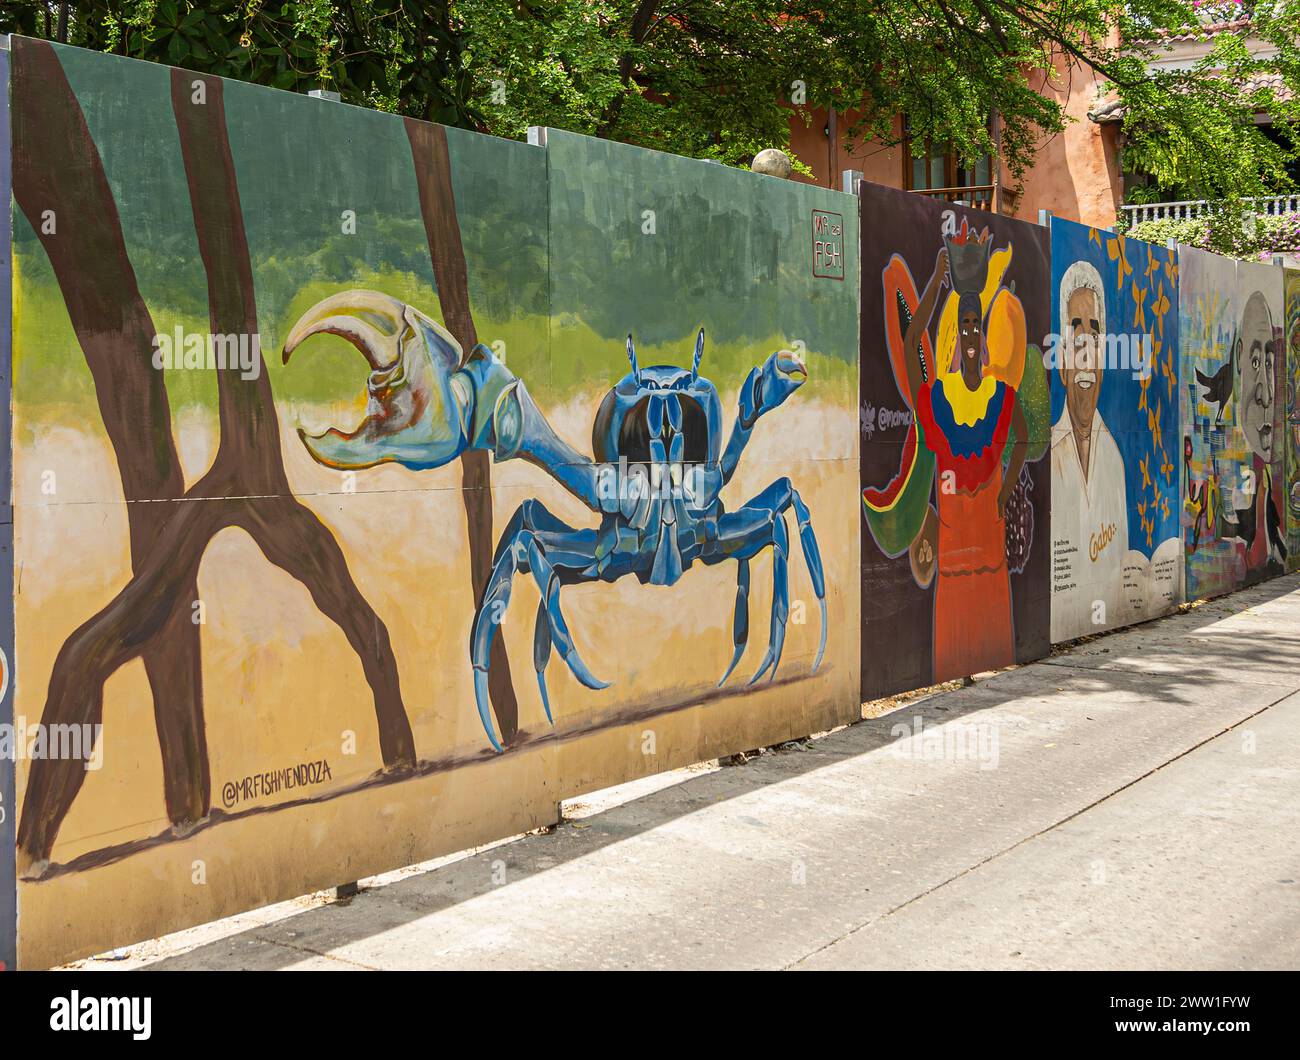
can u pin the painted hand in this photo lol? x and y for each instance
(1004, 495)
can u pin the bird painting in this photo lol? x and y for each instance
(1218, 388)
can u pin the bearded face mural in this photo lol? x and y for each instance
(1115, 552)
(1256, 355)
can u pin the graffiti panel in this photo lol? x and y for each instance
(1290, 417)
(1231, 322)
(954, 418)
(1116, 547)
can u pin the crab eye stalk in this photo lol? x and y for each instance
(631, 356)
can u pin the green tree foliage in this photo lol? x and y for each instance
(389, 54)
(720, 78)
(1193, 130)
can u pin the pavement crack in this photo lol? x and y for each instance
(308, 951)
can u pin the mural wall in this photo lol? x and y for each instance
(8, 760)
(1233, 373)
(709, 316)
(1116, 546)
(1291, 416)
(954, 419)
(378, 485)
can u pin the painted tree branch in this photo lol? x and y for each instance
(442, 229)
(71, 208)
(246, 486)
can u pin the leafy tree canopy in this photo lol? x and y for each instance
(718, 78)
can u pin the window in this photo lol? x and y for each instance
(938, 171)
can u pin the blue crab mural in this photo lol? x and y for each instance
(656, 478)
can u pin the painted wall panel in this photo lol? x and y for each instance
(1116, 546)
(1231, 316)
(1290, 395)
(331, 561)
(954, 414)
(667, 250)
(311, 693)
(8, 752)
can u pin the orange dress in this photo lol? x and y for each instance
(973, 629)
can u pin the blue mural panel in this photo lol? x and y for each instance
(1113, 365)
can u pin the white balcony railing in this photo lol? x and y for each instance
(1190, 209)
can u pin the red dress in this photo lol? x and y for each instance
(973, 628)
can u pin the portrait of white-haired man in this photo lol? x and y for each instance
(1089, 502)
(1258, 516)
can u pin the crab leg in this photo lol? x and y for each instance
(548, 581)
(542, 654)
(531, 535)
(813, 558)
(780, 598)
(740, 626)
(744, 533)
(492, 609)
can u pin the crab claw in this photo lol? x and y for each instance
(417, 410)
(782, 374)
(766, 387)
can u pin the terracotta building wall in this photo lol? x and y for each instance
(812, 145)
(1075, 174)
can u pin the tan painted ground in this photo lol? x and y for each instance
(283, 687)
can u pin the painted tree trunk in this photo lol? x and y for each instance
(246, 486)
(438, 206)
(71, 208)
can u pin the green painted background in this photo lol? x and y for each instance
(301, 163)
(720, 236)
(731, 252)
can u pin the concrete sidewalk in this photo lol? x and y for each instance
(1131, 803)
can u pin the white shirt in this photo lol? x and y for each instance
(1098, 582)
(1089, 532)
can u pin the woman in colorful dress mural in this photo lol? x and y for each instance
(964, 417)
